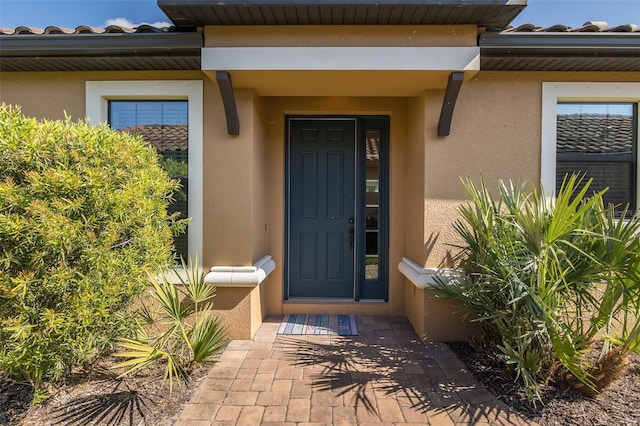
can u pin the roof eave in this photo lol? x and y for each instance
(560, 51)
(100, 52)
(141, 44)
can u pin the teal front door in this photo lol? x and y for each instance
(321, 198)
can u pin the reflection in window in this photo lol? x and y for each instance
(599, 141)
(163, 124)
(372, 208)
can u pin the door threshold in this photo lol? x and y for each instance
(307, 305)
(309, 300)
(319, 300)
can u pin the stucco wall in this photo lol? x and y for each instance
(228, 181)
(51, 94)
(414, 211)
(495, 134)
(340, 35)
(260, 186)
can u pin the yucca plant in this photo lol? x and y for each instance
(183, 334)
(547, 279)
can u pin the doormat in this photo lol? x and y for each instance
(342, 325)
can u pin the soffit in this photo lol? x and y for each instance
(492, 14)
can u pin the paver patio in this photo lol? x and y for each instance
(385, 375)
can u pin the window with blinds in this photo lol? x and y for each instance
(599, 141)
(164, 125)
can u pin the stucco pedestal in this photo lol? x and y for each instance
(238, 299)
(433, 319)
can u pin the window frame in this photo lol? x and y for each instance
(97, 97)
(582, 92)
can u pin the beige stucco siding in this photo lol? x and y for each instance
(495, 134)
(229, 184)
(415, 170)
(340, 35)
(414, 211)
(260, 185)
(45, 95)
(52, 94)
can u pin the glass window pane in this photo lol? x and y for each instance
(372, 243)
(372, 218)
(164, 125)
(595, 128)
(372, 201)
(617, 177)
(371, 268)
(588, 135)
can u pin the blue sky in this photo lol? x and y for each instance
(100, 13)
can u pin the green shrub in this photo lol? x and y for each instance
(183, 333)
(547, 280)
(83, 220)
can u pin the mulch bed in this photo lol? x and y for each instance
(99, 397)
(618, 405)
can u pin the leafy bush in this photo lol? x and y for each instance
(547, 280)
(176, 169)
(83, 220)
(183, 333)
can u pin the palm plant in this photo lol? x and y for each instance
(546, 280)
(185, 332)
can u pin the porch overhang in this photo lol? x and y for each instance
(492, 14)
(341, 71)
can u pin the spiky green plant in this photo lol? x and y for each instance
(185, 333)
(547, 279)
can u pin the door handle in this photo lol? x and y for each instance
(351, 231)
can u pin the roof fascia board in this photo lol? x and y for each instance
(136, 44)
(340, 58)
(181, 3)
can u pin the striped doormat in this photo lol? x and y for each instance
(342, 325)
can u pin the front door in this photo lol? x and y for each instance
(321, 208)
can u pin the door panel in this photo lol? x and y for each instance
(321, 204)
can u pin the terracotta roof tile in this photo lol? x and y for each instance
(58, 30)
(594, 133)
(372, 149)
(587, 27)
(85, 29)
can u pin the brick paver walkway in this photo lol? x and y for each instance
(385, 375)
